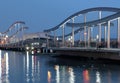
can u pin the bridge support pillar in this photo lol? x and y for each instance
(63, 35)
(47, 39)
(100, 16)
(73, 33)
(105, 33)
(80, 37)
(89, 35)
(85, 30)
(108, 39)
(54, 37)
(118, 32)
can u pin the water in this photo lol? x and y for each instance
(19, 67)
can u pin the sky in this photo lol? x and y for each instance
(44, 14)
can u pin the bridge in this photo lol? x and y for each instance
(102, 18)
(13, 36)
(88, 31)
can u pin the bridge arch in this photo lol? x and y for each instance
(86, 24)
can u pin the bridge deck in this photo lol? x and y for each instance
(104, 53)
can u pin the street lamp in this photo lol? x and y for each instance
(57, 41)
(70, 40)
(97, 37)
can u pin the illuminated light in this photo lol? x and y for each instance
(97, 36)
(49, 76)
(0, 52)
(98, 80)
(57, 74)
(69, 39)
(27, 53)
(32, 52)
(86, 76)
(85, 33)
(32, 48)
(6, 36)
(51, 51)
(27, 48)
(38, 51)
(33, 66)
(70, 69)
(2, 42)
(27, 64)
(57, 38)
(56, 67)
(72, 77)
(7, 67)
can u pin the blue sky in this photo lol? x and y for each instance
(44, 14)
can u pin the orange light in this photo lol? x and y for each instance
(86, 76)
(49, 76)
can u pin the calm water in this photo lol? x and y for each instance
(19, 67)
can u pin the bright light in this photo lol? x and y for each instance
(49, 77)
(85, 33)
(97, 36)
(27, 48)
(32, 52)
(57, 38)
(69, 39)
(98, 79)
(6, 36)
(32, 48)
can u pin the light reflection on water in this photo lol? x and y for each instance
(16, 67)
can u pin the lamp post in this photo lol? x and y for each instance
(57, 44)
(97, 37)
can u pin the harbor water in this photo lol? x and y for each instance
(18, 67)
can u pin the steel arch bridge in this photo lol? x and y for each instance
(85, 25)
(13, 34)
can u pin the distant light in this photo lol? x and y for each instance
(97, 36)
(49, 77)
(85, 33)
(57, 38)
(6, 36)
(32, 48)
(32, 52)
(27, 48)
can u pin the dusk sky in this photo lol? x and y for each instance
(44, 14)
